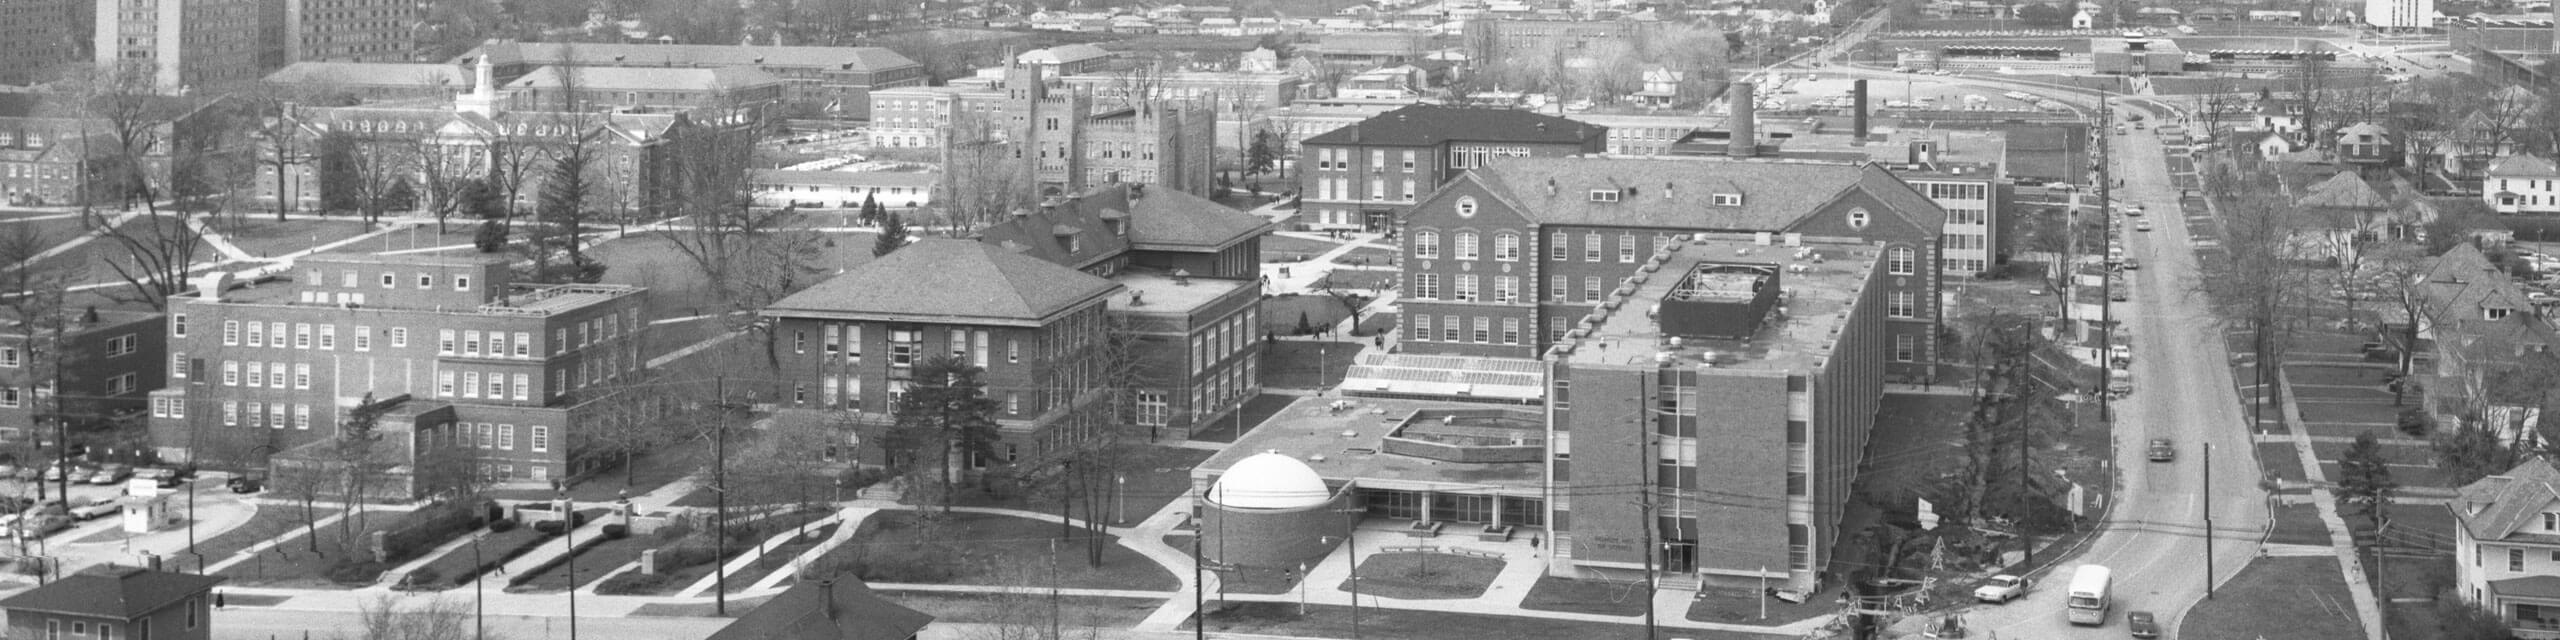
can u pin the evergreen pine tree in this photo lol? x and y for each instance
(893, 234)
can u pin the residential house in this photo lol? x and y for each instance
(1366, 175)
(837, 608)
(113, 601)
(2506, 547)
(2367, 145)
(2522, 184)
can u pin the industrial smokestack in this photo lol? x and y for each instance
(1858, 100)
(1745, 140)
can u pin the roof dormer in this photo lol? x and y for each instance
(1725, 199)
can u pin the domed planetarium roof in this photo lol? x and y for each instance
(1269, 480)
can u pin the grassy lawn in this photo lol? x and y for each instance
(459, 566)
(1597, 597)
(296, 564)
(1026, 610)
(592, 563)
(2274, 598)
(2299, 524)
(1152, 476)
(1367, 257)
(737, 607)
(2280, 460)
(987, 549)
(1425, 576)
(2414, 577)
(1335, 621)
(2318, 412)
(1378, 323)
(1292, 249)
(678, 578)
(1256, 411)
(1303, 364)
(1743, 606)
(1280, 314)
(270, 521)
(776, 557)
(268, 238)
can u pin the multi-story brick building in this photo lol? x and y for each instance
(375, 81)
(104, 362)
(631, 89)
(522, 376)
(110, 601)
(1503, 261)
(915, 117)
(200, 44)
(350, 30)
(1366, 175)
(1735, 379)
(1068, 145)
(44, 145)
(1036, 301)
(636, 159)
(834, 81)
(39, 35)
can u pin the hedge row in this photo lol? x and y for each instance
(422, 530)
(459, 566)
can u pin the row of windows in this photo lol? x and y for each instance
(264, 415)
(303, 336)
(10, 355)
(844, 341)
(1340, 189)
(1426, 286)
(483, 435)
(1464, 245)
(468, 384)
(271, 375)
(1332, 159)
(1477, 330)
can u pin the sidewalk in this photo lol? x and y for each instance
(655, 500)
(2341, 541)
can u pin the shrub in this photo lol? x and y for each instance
(616, 531)
(427, 527)
(356, 572)
(632, 583)
(423, 577)
(547, 527)
(679, 556)
(676, 529)
(501, 526)
(2415, 421)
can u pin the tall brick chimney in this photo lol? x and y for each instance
(1858, 102)
(1745, 137)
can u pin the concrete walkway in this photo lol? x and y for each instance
(655, 500)
(2341, 542)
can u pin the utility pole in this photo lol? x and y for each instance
(62, 426)
(1054, 612)
(1644, 507)
(479, 594)
(569, 534)
(2208, 522)
(720, 489)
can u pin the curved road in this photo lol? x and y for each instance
(2154, 538)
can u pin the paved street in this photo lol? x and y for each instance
(2155, 538)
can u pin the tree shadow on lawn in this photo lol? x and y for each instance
(1596, 597)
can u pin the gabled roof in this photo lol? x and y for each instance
(1677, 193)
(2496, 507)
(1166, 219)
(2459, 286)
(1430, 124)
(112, 591)
(802, 613)
(1067, 234)
(686, 55)
(649, 78)
(949, 280)
(2365, 129)
(2344, 191)
(416, 74)
(2522, 166)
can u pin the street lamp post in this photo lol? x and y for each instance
(479, 593)
(1120, 499)
(569, 534)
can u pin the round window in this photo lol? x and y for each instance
(1858, 218)
(1467, 207)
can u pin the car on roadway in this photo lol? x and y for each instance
(2134, 210)
(96, 509)
(111, 473)
(2002, 588)
(2142, 624)
(2142, 225)
(2162, 450)
(163, 477)
(38, 525)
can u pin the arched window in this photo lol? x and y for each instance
(1901, 261)
(1506, 246)
(1426, 245)
(1466, 246)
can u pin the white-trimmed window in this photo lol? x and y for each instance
(444, 383)
(1422, 328)
(1426, 245)
(231, 333)
(230, 373)
(445, 342)
(178, 364)
(399, 337)
(1901, 261)
(1901, 304)
(257, 334)
(539, 437)
(302, 335)
(1465, 247)
(301, 375)
(329, 337)
(1426, 286)
(1506, 246)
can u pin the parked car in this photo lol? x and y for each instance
(162, 476)
(111, 473)
(2142, 624)
(2132, 264)
(96, 509)
(2142, 225)
(2002, 588)
(38, 525)
(2162, 450)
(243, 484)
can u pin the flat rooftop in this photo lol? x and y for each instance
(1965, 154)
(1817, 283)
(1162, 293)
(1346, 444)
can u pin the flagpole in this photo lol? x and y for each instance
(1764, 592)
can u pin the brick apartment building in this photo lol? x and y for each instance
(1366, 175)
(43, 148)
(351, 30)
(830, 81)
(1033, 302)
(110, 362)
(1737, 378)
(1505, 260)
(520, 375)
